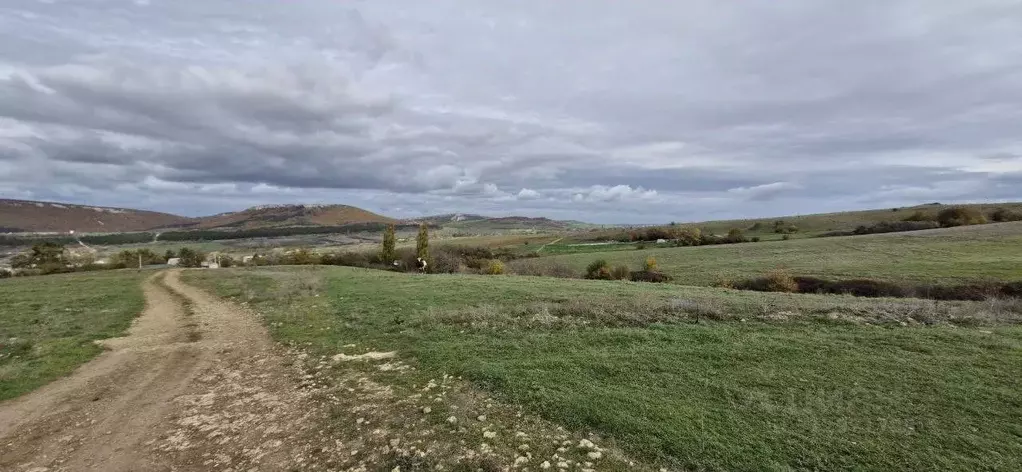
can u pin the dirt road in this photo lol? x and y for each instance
(194, 385)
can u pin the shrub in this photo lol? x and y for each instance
(785, 237)
(721, 281)
(598, 269)
(649, 276)
(640, 246)
(350, 259)
(495, 267)
(620, 273)
(1002, 214)
(755, 239)
(779, 280)
(960, 216)
(735, 235)
(650, 264)
(782, 227)
(920, 215)
(446, 262)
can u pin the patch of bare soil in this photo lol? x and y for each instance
(198, 389)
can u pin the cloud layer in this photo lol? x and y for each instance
(595, 110)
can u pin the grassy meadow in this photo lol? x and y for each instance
(691, 378)
(815, 224)
(48, 324)
(943, 255)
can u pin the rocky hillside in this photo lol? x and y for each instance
(31, 216)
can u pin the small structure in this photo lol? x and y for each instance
(174, 261)
(246, 259)
(661, 241)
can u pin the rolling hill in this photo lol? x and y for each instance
(23, 216)
(479, 223)
(30, 216)
(270, 216)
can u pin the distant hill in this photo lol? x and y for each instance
(31, 216)
(23, 216)
(450, 218)
(270, 216)
(479, 223)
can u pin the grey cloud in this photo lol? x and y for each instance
(577, 109)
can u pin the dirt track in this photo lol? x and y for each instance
(189, 388)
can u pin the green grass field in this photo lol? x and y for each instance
(944, 255)
(687, 377)
(816, 224)
(48, 324)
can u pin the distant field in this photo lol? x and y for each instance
(816, 224)
(48, 324)
(943, 255)
(687, 377)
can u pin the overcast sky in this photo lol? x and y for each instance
(597, 110)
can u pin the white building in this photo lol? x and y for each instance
(174, 261)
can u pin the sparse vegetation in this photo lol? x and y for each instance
(738, 377)
(947, 257)
(49, 323)
(542, 268)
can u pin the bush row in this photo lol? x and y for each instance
(781, 281)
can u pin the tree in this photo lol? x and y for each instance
(190, 257)
(387, 253)
(47, 253)
(131, 258)
(41, 253)
(422, 243)
(169, 254)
